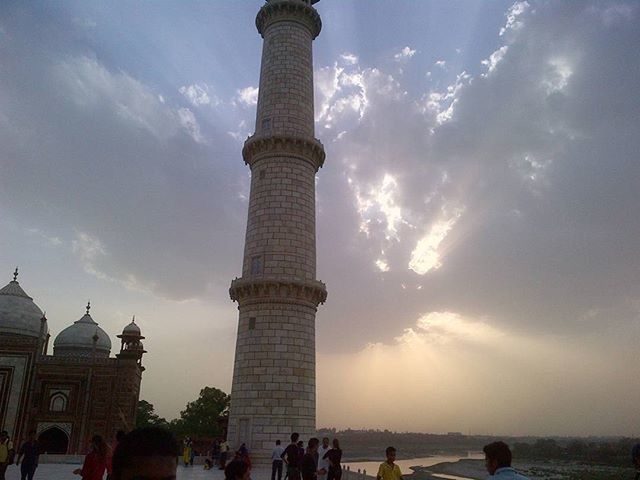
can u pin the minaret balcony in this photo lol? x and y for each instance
(246, 291)
(258, 147)
(289, 10)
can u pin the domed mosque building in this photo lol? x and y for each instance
(78, 391)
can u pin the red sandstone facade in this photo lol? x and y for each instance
(69, 396)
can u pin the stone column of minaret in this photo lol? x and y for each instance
(273, 392)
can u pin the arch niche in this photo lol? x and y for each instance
(53, 440)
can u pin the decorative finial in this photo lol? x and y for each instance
(133, 320)
(88, 306)
(15, 275)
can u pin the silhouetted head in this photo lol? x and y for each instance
(294, 437)
(237, 470)
(99, 445)
(497, 455)
(312, 445)
(391, 454)
(336, 443)
(145, 454)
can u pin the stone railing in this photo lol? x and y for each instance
(83, 360)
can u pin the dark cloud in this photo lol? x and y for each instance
(540, 153)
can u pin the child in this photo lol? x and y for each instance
(389, 470)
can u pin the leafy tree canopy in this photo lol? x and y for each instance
(201, 418)
(147, 417)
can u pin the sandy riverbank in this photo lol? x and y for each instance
(471, 469)
(475, 470)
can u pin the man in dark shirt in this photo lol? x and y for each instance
(309, 463)
(28, 454)
(292, 458)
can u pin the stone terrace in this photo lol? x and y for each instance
(52, 471)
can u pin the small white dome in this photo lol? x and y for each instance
(18, 314)
(131, 329)
(78, 339)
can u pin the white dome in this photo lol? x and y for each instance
(18, 314)
(77, 340)
(131, 329)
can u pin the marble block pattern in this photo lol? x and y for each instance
(273, 391)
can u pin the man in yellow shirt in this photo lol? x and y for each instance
(6, 453)
(389, 470)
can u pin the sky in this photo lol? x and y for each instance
(477, 220)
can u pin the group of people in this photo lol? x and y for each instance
(497, 462)
(143, 453)
(220, 452)
(96, 462)
(152, 452)
(317, 462)
(27, 455)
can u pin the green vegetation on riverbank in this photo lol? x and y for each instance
(612, 453)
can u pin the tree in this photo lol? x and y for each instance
(201, 418)
(147, 417)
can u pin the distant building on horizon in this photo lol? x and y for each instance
(77, 392)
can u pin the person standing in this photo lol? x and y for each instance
(276, 461)
(224, 451)
(6, 453)
(498, 462)
(187, 447)
(28, 455)
(309, 463)
(291, 455)
(389, 470)
(215, 451)
(323, 461)
(95, 463)
(334, 456)
(118, 438)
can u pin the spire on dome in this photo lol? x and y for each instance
(15, 275)
(88, 306)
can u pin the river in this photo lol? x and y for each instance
(372, 467)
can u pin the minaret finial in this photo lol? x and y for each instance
(15, 275)
(88, 306)
(133, 320)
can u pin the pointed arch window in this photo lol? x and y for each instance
(58, 402)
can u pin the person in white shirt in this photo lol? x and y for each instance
(323, 463)
(276, 461)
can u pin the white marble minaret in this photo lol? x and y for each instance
(274, 376)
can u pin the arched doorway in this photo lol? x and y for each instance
(53, 440)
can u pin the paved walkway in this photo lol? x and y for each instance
(64, 472)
